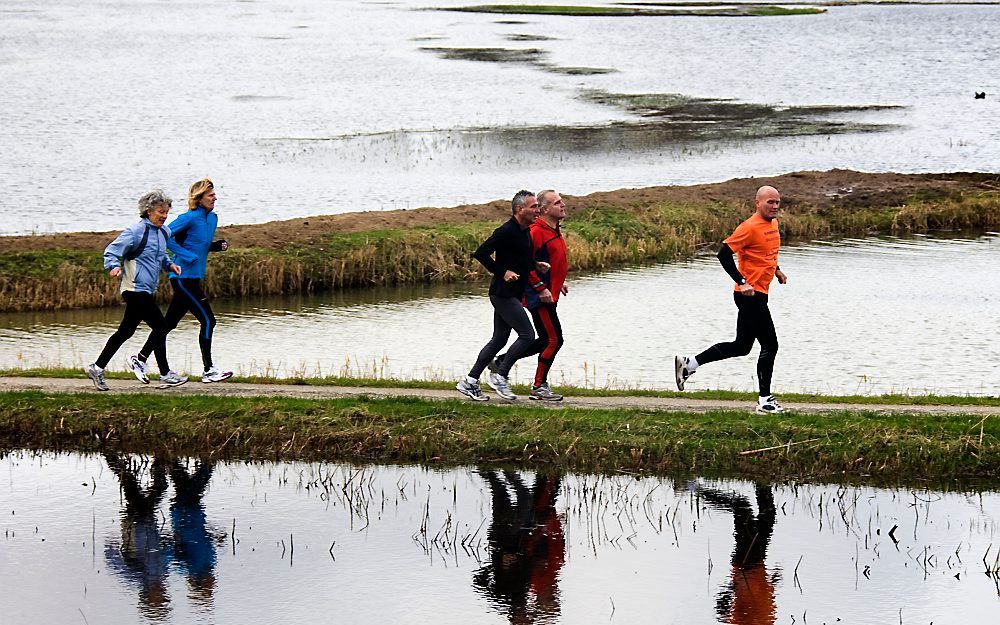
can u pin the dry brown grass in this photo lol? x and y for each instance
(599, 236)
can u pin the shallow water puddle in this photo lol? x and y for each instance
(125, 539)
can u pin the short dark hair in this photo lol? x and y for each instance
(519, 199)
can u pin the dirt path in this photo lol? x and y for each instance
(236, 389)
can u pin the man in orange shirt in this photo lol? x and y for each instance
(755, 242)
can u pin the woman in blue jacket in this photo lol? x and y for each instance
(190, 241)
(138, 255)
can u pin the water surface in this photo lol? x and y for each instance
(119, 539)
(857, 316)
(318, 107)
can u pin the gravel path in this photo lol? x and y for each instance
(238, 389)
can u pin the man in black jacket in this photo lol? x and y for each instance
(509, 256)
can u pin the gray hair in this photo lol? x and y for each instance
(519, 199)
(153, 199)
(542, 196)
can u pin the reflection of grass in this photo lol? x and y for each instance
(714, 10)
(537, 9)
(684, 108)
(578, 71)
(680, 117)
(490, 55)
(848, 444)
(770, 11)
(525, 37)
(527, 56)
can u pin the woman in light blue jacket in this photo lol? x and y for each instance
(191, 239)
(138, 255)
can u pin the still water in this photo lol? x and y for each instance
(322, 106)
(858, 316)
(119, 539)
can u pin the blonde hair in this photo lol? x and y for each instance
(198, 191)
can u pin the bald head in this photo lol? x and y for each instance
(767, 202)
(766, 191)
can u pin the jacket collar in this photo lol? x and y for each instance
(541, 223)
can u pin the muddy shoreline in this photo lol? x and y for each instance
(605, 230)
(813, 190)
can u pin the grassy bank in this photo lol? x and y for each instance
(604, 230)
(838, 445)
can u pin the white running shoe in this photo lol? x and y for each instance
(768, 405)
(171, 378)
(544, 393)
(472, 390)
(681, 371)
(96, 374)
(500, 384)
(214, 375)
(138, 368)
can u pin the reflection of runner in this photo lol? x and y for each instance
(141, 559)
(194, 548)
(755, 242)
(749, 597)
(550, 247)
(190, 241)
(527, 548)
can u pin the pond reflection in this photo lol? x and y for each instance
(120, 539)
(748, 597)
(527, 548)
(194, 544)
(143, 556)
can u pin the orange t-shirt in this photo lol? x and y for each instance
(756, 242)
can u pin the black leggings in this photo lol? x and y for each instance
(548, 343)
(507, 314)
(188, 297)
(139, 307)
(752, 323)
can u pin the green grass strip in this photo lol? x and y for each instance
(852, 444)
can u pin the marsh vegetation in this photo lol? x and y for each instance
(434, 245)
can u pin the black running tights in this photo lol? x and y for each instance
(188, 297)
(752, 323)
(139, 308)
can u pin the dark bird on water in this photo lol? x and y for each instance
(980, 95)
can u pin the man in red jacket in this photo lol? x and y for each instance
(507, 254)
(550, 247)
